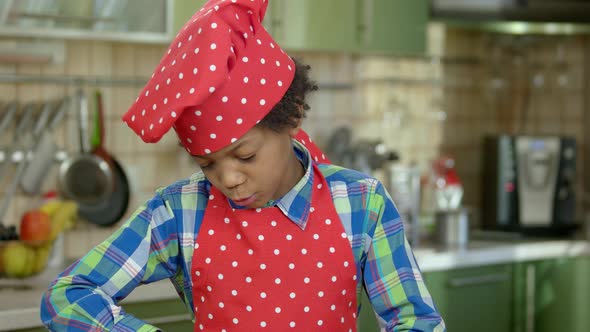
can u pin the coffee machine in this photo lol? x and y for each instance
(529, 184)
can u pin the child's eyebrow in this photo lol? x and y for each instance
(239, 145)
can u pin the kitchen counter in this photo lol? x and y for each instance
(19, 299)
(479, 253)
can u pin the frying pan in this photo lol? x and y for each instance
(112, 208)
(85, 178)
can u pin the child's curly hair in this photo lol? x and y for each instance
(292, 107)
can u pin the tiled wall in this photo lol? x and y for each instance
(418, 107)
(148, 166)
(483, 84)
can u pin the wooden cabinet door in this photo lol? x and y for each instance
(473, 299)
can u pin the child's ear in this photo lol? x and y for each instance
(293, 131)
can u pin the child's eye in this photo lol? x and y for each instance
(206, 166)
(248, 158)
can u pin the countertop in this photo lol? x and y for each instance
(19, 299)
(479, 253)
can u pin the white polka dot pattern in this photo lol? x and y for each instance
(274, 276)
(207, 68)
(316, 154)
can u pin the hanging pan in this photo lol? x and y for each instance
(112, 208)
(85, 177)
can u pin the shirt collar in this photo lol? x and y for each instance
(296, 203)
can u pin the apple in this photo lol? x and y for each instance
(16, 258)
(35, 228)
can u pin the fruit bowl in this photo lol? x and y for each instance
(19, 260)
(26, 254)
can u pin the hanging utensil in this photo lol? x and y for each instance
(44, 152)
(9, 112)
(22, 127)
(114, 206)
(85, 177)
(24, 122)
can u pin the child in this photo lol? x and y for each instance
(268, 236)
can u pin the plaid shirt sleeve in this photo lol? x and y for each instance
(85, 296)
(391, 275)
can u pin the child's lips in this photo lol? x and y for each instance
(245, 201)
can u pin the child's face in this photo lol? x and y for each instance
(259, 167)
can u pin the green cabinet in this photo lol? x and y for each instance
(182, 11)
(359, 26)
(327, 25)
(353, 26)
(392, 26)
(537, 296)
(308, 25)
(367, 320)
(168, 315)
(552, 295)
(473, 299)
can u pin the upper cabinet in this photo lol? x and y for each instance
(183, 10)
(352, 26)
(359, 26)
(326, 25)
(149, 21)
(392, 26)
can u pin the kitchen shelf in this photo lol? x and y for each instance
(72, 80)
(521, 27)
(89, 20)
(113, 81)
(419, 81)
(74, 34)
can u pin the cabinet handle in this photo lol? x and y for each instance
(277, 22)
(530, 298)
(478, 280)
(365, 26)
(168, 319)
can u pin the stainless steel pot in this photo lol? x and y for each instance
(452, 227)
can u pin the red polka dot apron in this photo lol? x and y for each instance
(256, 270)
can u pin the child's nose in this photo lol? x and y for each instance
(231, 178)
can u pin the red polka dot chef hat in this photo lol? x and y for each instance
(220, 76)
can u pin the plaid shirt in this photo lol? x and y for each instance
(157, 243)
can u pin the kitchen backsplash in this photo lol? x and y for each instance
(475, 84)
(482, 84)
